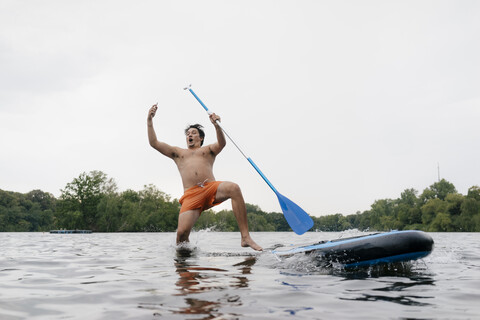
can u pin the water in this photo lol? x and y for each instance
(143, 276)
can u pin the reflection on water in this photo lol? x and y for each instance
(246, 268)
(392, 290)
(194, 280)
(403, 299)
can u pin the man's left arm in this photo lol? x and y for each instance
(218, 146)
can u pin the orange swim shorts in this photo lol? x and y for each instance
(200, 197)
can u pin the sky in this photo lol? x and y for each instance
(339, 103)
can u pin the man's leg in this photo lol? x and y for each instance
(186, 220)
(229, 190)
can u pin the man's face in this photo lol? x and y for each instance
(193, 138)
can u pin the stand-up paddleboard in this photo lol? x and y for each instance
(378, 248)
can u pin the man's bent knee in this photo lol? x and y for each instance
(227, 190)
(233, 189)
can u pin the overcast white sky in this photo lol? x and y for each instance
(340, 103)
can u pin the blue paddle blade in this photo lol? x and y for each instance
(297, 218)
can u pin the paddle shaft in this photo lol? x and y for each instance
(239, 149)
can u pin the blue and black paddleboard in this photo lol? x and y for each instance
(372, 249)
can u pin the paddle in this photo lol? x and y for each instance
(297, 218)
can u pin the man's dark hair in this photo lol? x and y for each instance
(199, 127)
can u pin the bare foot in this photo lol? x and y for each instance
(248, 242)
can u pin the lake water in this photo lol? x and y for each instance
(143, 276)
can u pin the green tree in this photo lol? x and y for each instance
(470, 211)
(159, 212)
(83, 196)
(44, 199)
(278, 220)
(129, 210)
(409, 197)
(334, 222)
(226, 221)
(258, 222)
(441, 222)
(207, 220)
(108, 216)
(431, 209)
(474, 193)
(379, 210)
(454, 203)
(438, 190)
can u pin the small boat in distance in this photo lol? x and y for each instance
(70, 231)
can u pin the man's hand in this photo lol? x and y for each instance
(214, 118)
(152, 111)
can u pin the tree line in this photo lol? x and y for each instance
(92, 201)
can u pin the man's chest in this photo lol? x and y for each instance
(196, 155)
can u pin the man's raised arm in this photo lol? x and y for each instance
(162, 147)
(221, 142)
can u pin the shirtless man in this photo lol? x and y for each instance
(201, 190)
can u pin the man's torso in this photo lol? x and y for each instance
(195, 165)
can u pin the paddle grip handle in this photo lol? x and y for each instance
(209, 113)
(200, 101)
